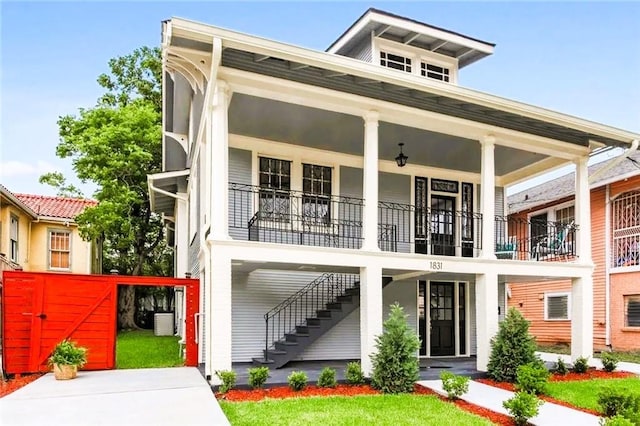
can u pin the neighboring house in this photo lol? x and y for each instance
(38, 234)
(615, 230)
(290, 198)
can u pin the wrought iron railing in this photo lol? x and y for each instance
(283, 318)
(522, 239)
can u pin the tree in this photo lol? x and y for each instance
(115, 144)
(395, 364)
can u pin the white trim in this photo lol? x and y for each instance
(546, 305)
(551, 210)
(49, 249)
(608, 237)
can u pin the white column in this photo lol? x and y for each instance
(488, 199)
(182, 235)
(219, 162)
(582, 317)
(370, 314)
(370, 182)
(486, 316)
(218, 316)
(583, 212)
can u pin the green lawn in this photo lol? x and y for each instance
(585, 393)
(141, 349)
(392, 410)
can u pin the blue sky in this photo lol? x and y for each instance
(579, 58)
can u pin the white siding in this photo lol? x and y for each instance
(362, 50)
(240, 214)
(472, 314)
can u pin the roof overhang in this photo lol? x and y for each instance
(321, 69)
(13, 200)
(164, 190)
(412, 33)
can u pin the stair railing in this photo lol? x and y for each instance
(304, 303)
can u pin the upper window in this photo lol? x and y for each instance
(396, 62)
(632, 311)
(59, 250)
(556, 306)
(434, 71)
(13, 237)
(625, 228)
(316, 185)
(275, 183)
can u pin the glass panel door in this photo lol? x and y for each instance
(443, 225)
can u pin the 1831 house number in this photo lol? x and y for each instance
(435, 265)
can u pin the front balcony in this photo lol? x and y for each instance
(293, 217)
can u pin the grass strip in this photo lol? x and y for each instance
(141, 349)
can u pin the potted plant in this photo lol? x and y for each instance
(66, 358)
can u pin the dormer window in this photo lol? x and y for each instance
(396, 62)
(434, 71)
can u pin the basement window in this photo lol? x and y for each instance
(632, 310)
(556, 306)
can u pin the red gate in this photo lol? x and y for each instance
(41, 309)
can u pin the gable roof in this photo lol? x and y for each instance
(10, 197)
(55, 207)
(564, 186)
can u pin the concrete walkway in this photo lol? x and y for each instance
(631, 367)
(153, 396)
(491, 397)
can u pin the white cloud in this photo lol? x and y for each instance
(13, 168)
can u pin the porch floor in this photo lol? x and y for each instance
(430, 369)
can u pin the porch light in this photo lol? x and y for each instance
(401, 159)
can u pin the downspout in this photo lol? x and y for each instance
(607, 265)
(628, 152)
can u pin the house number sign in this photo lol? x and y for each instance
(444, 185)
(435, 265)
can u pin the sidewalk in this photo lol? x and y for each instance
(491, 397)
(593, 362)
(152, 396)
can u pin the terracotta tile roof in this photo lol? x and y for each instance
(59, 207)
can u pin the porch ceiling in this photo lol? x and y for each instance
(342, 133)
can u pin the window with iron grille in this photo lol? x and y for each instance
(434, 71)
(59, 250)
(397, 62)
(275, 186)
(316, 185)
(556, 306)
(632, 310)
(566, 216)
(13, 237)
(625, 229)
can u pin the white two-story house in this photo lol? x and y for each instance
(311, 190)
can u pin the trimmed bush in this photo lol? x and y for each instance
(395, 363)
(258, 377)
(512, 347)
(616, 421)
(561, 367)
(228, 378)
(618, 401)
(297, 380)
(327, 378)
(455, 386)
(581, 365)
(354, 374)
(609, 361)
(522, 407)
(532, 378)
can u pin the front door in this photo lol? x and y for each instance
(442, 314)
(443, 225)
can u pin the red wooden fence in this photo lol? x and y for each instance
(41, 309)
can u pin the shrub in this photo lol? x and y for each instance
(609, 361)
(258, 377)
(228, 378)
(395, 363)
(522, 407)
(68, 353)
(454, 386)
(327, 378)
(354, 374)
(616, 421)
(561, 367)
(618, 401)
(297, 380)
(532, 378)
(512, 347)
(581, 365)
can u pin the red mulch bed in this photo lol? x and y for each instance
(15, 383)
(570, 377)
(286, 392)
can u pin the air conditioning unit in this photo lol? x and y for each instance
(163, 324)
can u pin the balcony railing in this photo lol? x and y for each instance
(522, 239)
(293, 217)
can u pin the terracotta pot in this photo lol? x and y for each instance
(65, 372)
